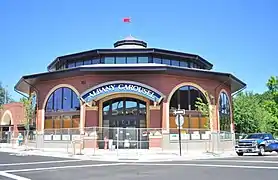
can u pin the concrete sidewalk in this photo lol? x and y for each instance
(117, 155)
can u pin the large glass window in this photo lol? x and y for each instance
(120, 60)
(166, 61)
(96, 61)
(63, 100)
(185, 98)
(175, 63)
(88, 62)
(71, 65)
(183, 64)
(109, 60)
(157, 60)
(143, 59)
(224, 112)
(62, 109)
(131, 60)
(79, 63)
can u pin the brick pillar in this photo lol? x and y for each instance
(214, 123)
(40, 120)
(165, 116)
(155, 117)
(91, 126)
(155, 137)
(92, 117)
(82, 117)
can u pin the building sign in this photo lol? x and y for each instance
(121, 87)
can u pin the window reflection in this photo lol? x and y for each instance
(143, 59)
(120, 60)
(87, 62)
(78, 63)
(65, 103)
(131, 60)
(175, 63)
(71, 65)
(131, 107)
(224, 112)
(96, 61)
(157, 60)
(183, 64)
(63, 99)
(109, 60)
(185, 98)
(118, 108)
(166, 61)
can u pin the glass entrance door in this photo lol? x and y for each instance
(123, 118)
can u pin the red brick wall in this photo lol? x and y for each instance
(91, 118)
(163, 83)
(155, 118)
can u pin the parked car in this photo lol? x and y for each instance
(257, 143)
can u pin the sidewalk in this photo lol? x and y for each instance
(116, 155)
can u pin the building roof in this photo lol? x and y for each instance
(26, 82)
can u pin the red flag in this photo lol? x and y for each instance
(127, 20)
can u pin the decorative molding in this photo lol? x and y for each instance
(92, 108)
(154, 107)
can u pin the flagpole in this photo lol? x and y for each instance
(127, 20)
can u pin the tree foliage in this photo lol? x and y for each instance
(29, 111)
(204, 109)
(257, 112)
(5, 97)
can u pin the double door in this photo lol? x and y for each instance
(126, 118)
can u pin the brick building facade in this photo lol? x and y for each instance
(131, 85)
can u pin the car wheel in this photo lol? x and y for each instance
(240, 153)
(261, 151)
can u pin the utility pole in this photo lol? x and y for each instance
(6, 95)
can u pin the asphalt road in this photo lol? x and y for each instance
(47, 168)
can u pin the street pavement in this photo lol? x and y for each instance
(49, 168)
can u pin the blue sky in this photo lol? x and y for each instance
(237, 36)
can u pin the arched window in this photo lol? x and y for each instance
(185, 98)
(62, 109)
(224, 112)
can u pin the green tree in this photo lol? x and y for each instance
(203, 108)
(270, 98)
(5, 97)
(272, 84)
(257, 112)
(29, 114)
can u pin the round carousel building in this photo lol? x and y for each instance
(131, 87)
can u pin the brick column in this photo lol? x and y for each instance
(91, 117)
(91, 125)
(155, 117)
(165, 116)
(82, 117)
(155, 137)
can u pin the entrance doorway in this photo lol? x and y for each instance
(124, 121)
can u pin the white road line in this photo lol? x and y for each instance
(62, 167)
(12, 176)
(206, 165)
(239, 161)
(41, 162)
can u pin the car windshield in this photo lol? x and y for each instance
(255, 136)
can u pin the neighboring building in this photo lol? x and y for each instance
(12, 117)
(130, 86)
